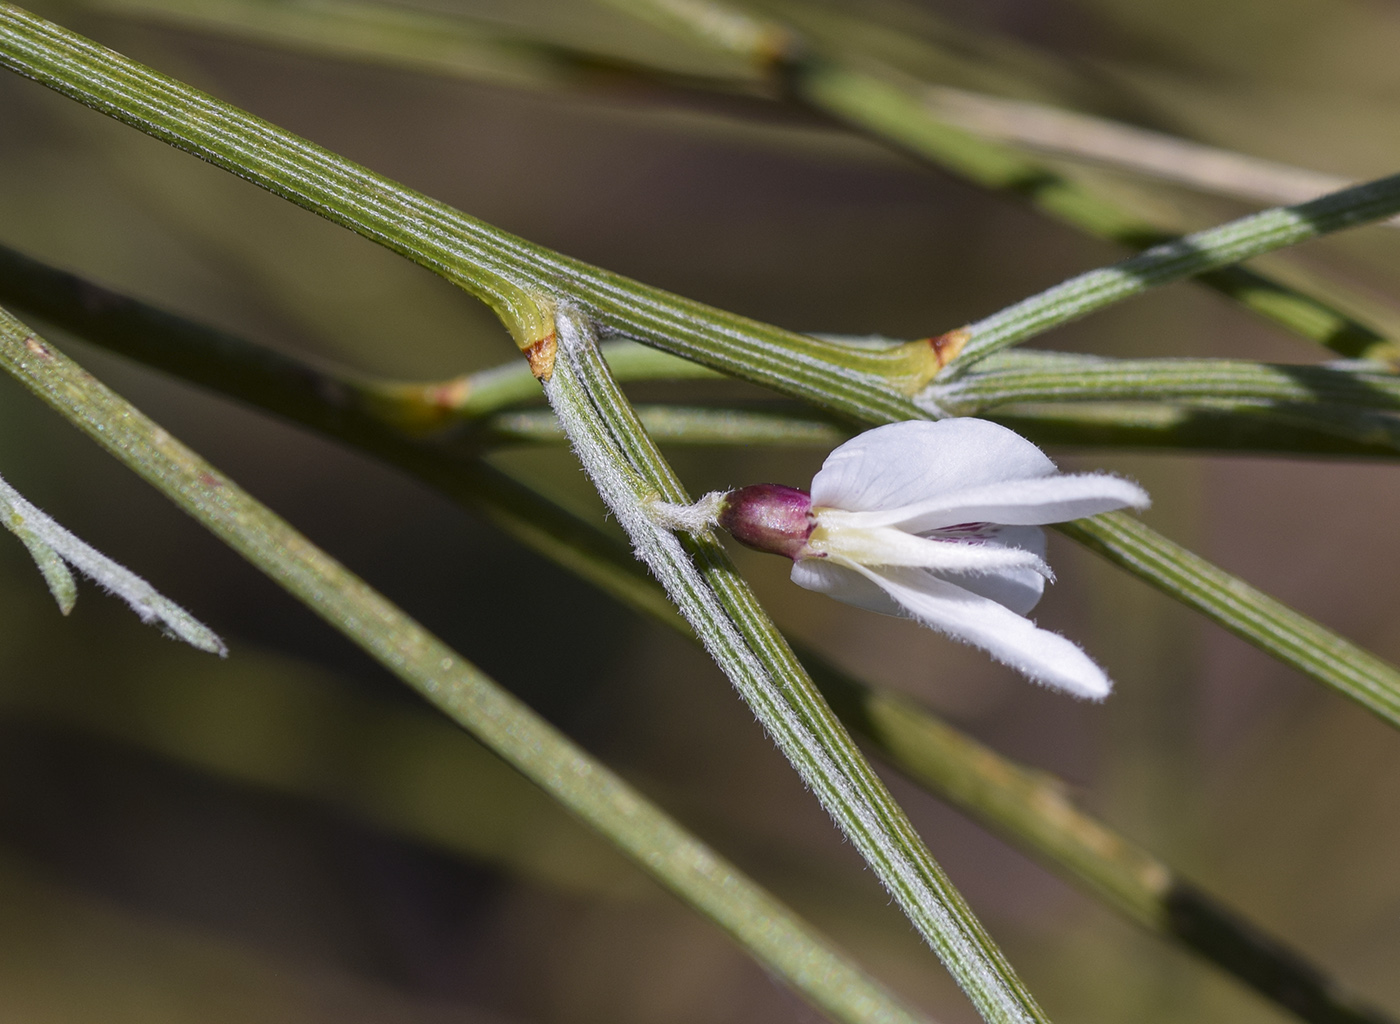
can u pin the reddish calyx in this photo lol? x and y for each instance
(769, 517)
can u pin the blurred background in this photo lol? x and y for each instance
(289, 835)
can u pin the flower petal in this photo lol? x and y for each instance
(883, 545)
(915, 461)
(1049, 499)
(1009, 638)
(1017, 589)
(845, 585)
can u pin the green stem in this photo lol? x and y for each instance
(631, 474)
(1192, 255)
(1224, 428)
(1062, 377)
(762, 925)
(1353, 404)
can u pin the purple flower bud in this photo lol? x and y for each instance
(769, 517)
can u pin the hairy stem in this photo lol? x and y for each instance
(631, 475)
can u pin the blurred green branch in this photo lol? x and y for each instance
(762, 925)
(442, 43)
(1068, 133)
(861, 93)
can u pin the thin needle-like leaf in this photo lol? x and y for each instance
(52, 546)
(1267, 623)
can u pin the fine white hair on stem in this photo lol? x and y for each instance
(54, 549)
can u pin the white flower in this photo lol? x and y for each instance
(940, 522)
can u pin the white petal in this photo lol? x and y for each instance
(915, 461)
(846, 585)
(1049, 499)
(1018, 589)
(1009, 638)
(888, 546)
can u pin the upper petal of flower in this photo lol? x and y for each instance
(1011, 639)
(914, 461)
(1047, 499)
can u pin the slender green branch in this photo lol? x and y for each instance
(1266, 623)
(354, 409)
(1205, 250)
(1353, 404)
(631, 475)
(1063, 377)
(1227, 428)
(762, 925)
(1028, 807)
(1222, 428)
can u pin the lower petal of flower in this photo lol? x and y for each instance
(843, 584)
(1015, 641)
